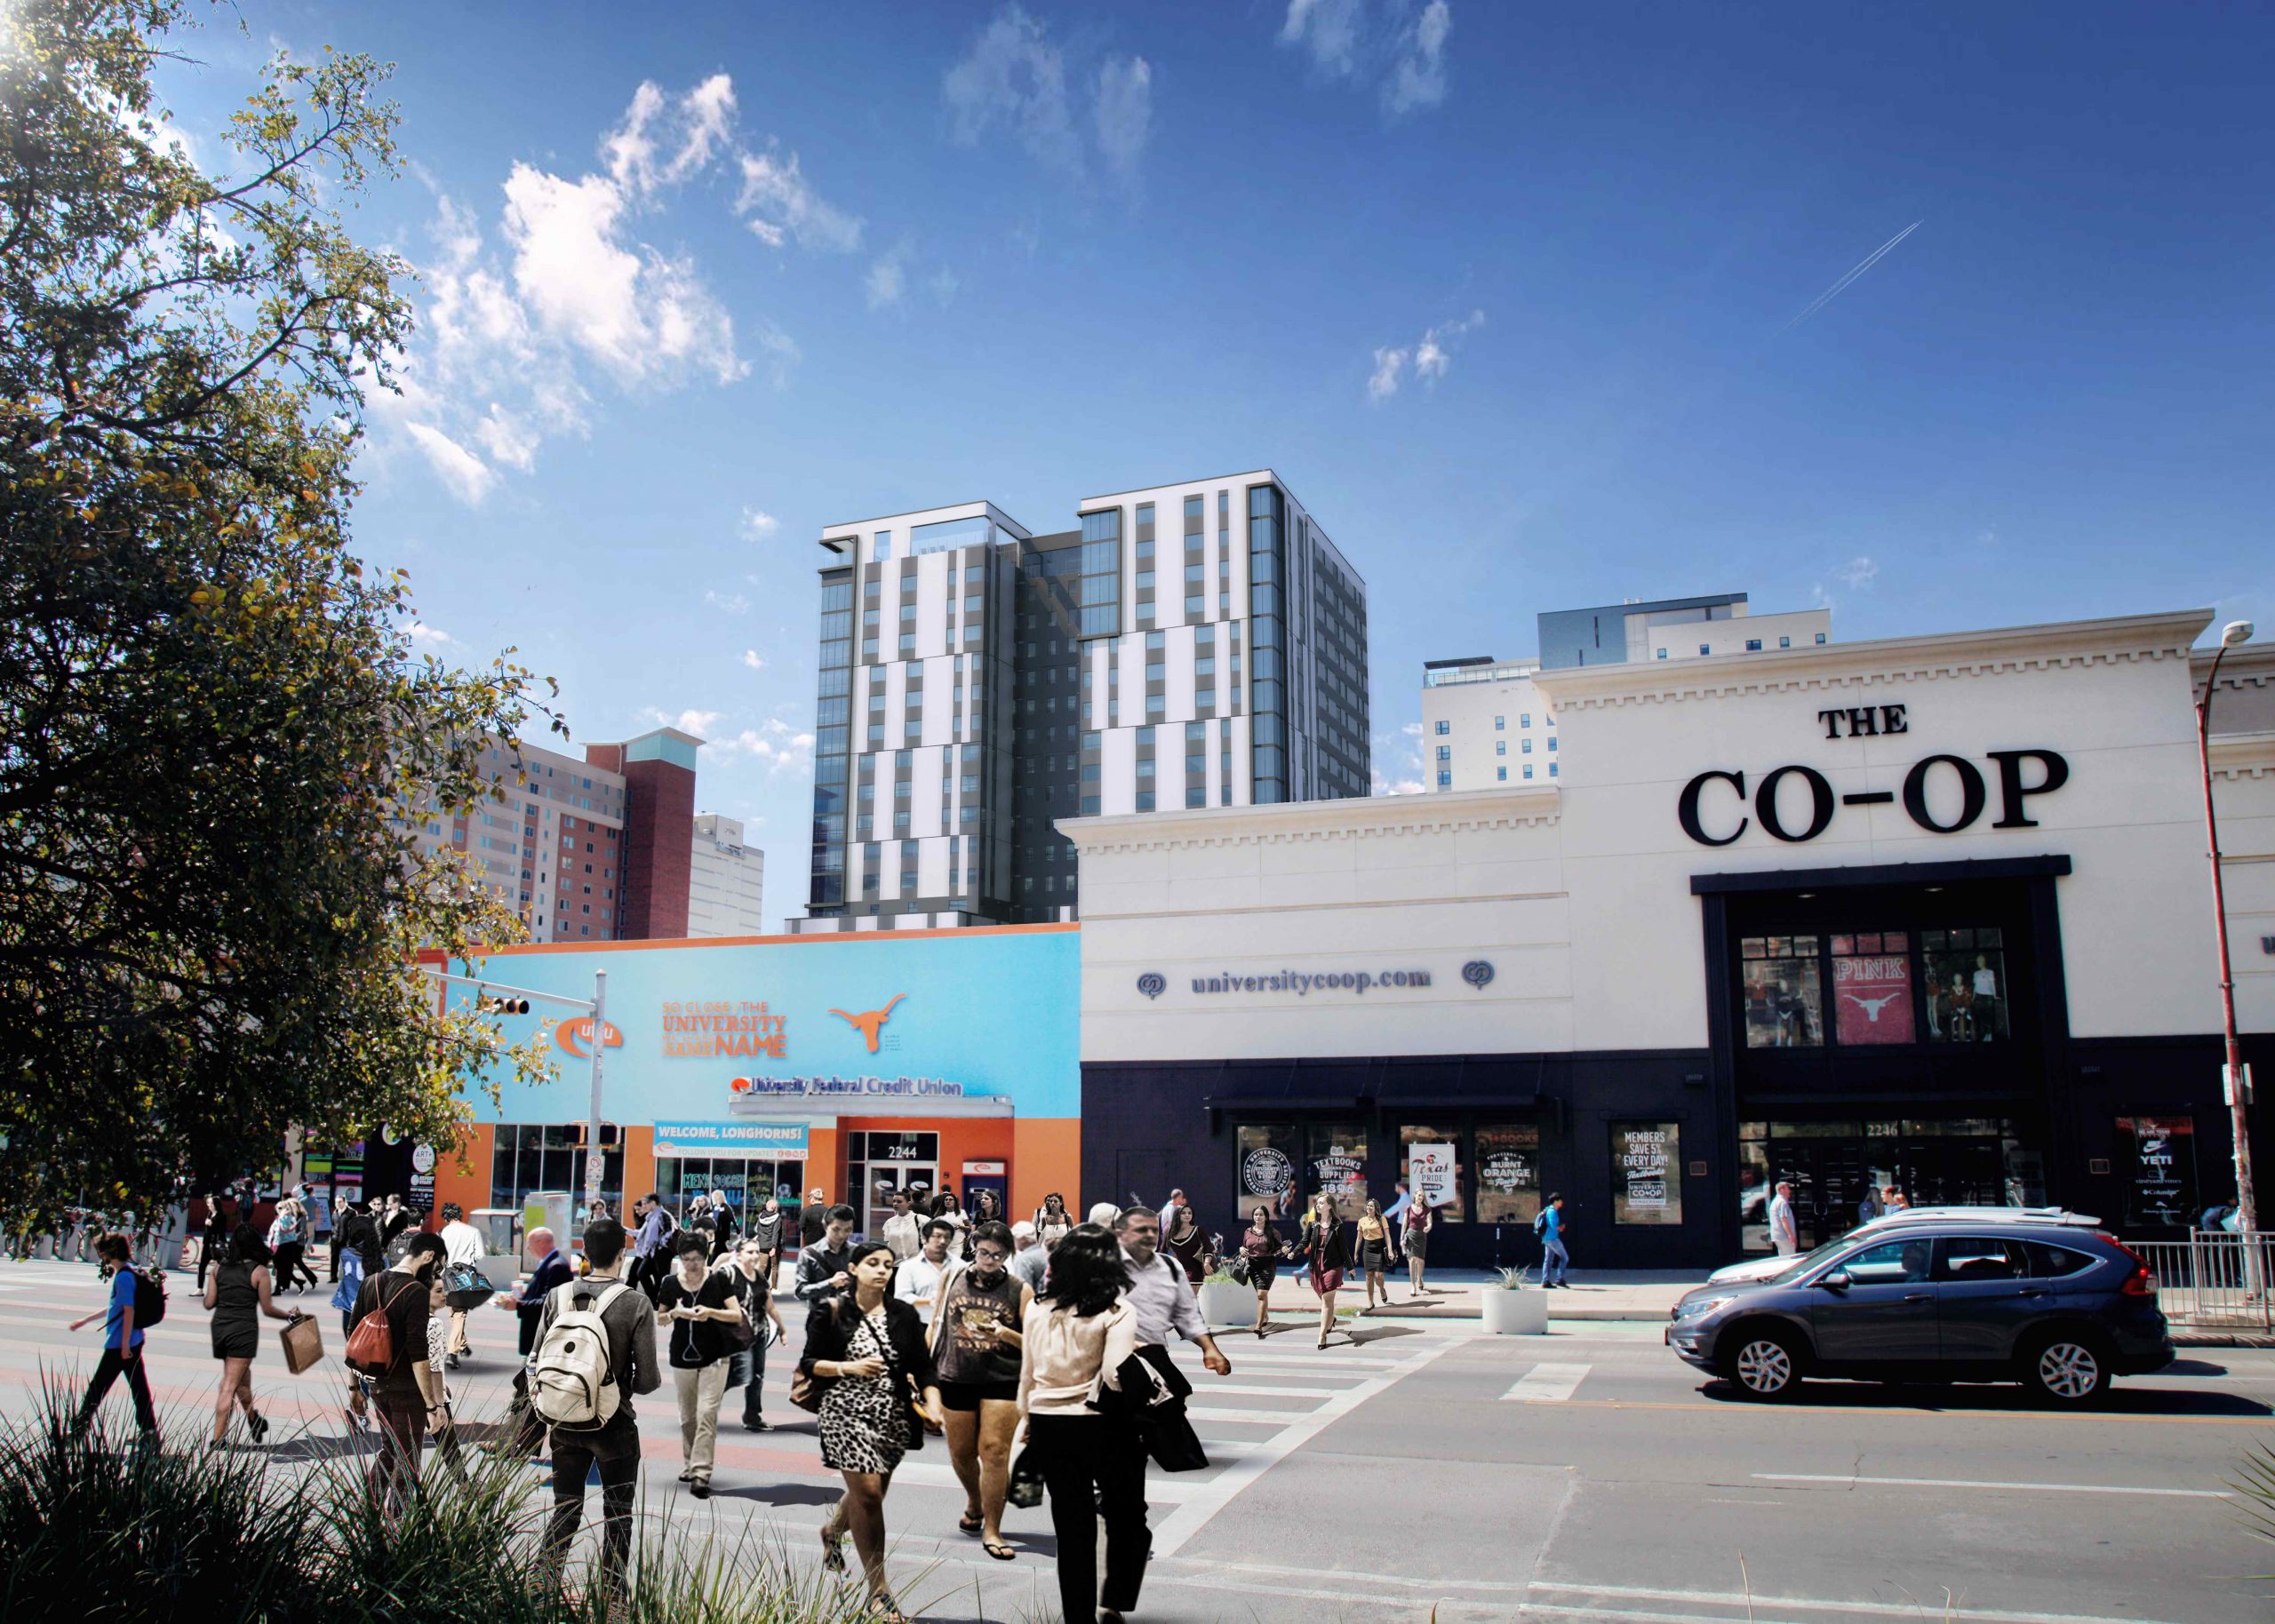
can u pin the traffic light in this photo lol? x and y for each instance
(489, 1004)
(580, 1135)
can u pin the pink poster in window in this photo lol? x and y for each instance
(1873, 995)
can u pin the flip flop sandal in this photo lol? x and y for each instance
(998, 1550)
(971, 1524)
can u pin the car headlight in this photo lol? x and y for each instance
(1693, 1307)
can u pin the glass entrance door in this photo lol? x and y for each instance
(1832, 1166)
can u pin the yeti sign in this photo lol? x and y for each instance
(1797, 803)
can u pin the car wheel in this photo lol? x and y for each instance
(2066, 1368)
(1764, 1364)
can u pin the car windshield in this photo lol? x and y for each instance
(1810, 1259)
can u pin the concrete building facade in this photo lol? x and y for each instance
(726, 890)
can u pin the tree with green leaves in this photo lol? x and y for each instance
(217, 743)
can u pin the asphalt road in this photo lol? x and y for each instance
(1427, 1470)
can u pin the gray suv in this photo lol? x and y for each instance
(2056, 1309)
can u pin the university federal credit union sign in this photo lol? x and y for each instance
(1797, 803)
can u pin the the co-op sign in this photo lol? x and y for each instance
(1704, 808)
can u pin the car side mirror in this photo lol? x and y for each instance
(1836, 1281)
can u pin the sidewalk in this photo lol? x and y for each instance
(1595, 1293)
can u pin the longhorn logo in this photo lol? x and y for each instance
(1871, 1007)
(870, 1023)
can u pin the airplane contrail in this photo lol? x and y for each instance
(1861, 265)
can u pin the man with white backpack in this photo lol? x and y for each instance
(595, 1347)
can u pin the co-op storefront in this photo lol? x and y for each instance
(1930, 912)
(860, 1063)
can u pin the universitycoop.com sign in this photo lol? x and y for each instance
(1303, 983)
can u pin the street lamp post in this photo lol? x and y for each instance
(2239, 1112)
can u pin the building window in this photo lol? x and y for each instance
(1445, 752)
(1445, 778)
(1703, 648)
(1965, 973)
(1527, 769)
(1445, 728)
(1500, 747)
(1784, 1006)
(1662, 654)
(1525, 746)
(1552, 769)
(1502, 774)
(1820, 637)
(1753, 645)
(1784, 642)
(1552, 741)
(1500, 723)
(881, 547)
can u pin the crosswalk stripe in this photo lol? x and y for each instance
(1547, 1384)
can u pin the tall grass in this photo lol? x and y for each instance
(102, 1528)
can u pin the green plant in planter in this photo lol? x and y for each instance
(1515, 1279)
(1222, 1276)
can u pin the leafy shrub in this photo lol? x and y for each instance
(102, 1528)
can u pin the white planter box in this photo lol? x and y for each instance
(1228, 1302)
(1514, 1313)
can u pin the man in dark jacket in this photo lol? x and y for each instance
(551, 1269)
(822, 1263)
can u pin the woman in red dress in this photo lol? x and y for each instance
(1326, 1251)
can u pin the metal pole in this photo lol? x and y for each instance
(2239, 1111)
(595, 1157)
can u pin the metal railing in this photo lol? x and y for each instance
(2214, 1279)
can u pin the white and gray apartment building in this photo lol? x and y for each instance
(1197, 644)
(1484, 723)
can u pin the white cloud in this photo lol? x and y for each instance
(782, 752)
(516, 324)
(629, 149)
(781, 205)
(420, 631)
(1329, 29)
(1858, 574)
(469, 477)
(733, 603)
(751, 659)
(689, 721)
(1418, 78)
(1432, 356)
(1125, 112)
(710, 115)
(1394, 44)
(508, 439)
(646, 317)
(704, 120)
(1402, 753)
(1383, 382)
(758, 524)
(885, 280)
(1016, 77)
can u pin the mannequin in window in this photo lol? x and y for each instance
(1986, 997)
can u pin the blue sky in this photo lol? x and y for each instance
(1507, 293)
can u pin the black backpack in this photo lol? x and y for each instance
(149, 1297)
